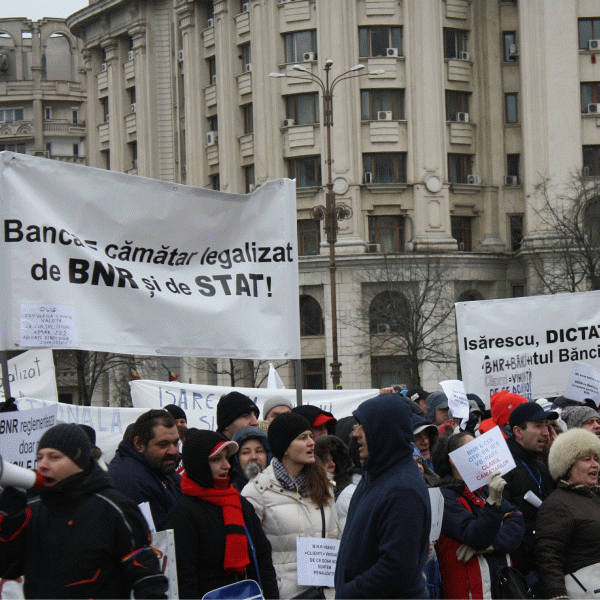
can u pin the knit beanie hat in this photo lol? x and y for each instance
(71, 440)
(576, 416)
(316, 416)
(277, 401)
(502, 404)
(283, 430)
(199, 445)
(176, 411)
(569, 447)
(234, 405)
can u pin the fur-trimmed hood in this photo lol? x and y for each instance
(568, 447)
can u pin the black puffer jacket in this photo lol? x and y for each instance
(77, 541)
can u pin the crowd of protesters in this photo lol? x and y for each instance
(239, 498)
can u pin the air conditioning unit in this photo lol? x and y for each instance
(594, 45)
(133, 107)
(392, 52)
(593, 108)
(251, 188)
(210, 22)
(368, 177)
(464, 56)
(180, 55)
(214, 80)
(245, 7)
(383, 328)
(247, 67)
(374, 248)
(103, 67)
(309, 56)
(474, 179)
(289, 122)
(384, 115)
(463, 117)
(212, 138)
(511, 180)
(130, 55)
(513, 50)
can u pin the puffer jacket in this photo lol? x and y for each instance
(285, 515)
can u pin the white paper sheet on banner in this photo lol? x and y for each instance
(142, 266)
(316, 561)
(584, 383)
(478, 459)
(32, 375)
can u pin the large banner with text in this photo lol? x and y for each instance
(100, 260)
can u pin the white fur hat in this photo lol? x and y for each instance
(570, 446)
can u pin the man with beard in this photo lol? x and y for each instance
(252, 457)
(143, 468)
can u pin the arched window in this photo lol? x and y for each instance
(57, 60)
(311, 316)
(389, 312)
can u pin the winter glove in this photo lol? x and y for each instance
(465, 553)
(12, 501)
(495, 486)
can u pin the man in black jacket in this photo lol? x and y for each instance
(528, 423)
(81, 538)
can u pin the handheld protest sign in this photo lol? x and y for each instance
(584, 383)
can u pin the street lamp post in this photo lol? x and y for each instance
(331, 213)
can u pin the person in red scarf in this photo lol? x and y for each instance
(212, 523)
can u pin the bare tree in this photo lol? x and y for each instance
(406, 311)
(566, 255)
(240, 372)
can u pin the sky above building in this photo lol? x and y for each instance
(38, 9)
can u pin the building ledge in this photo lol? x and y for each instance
(307, 192)
(386, 188)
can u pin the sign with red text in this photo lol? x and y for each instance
(100, 260)
(478, 459)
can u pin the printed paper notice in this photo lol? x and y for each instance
(478, 459)
(49, 326)
(316, 561)
(584, 383)
(437, 513)
(457, 398)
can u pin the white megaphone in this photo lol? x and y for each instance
(19, 477)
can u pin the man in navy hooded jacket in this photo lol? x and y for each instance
(385, 543)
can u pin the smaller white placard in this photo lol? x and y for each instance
(478, 459)
(145, 509)
(457, 398)
(436, 499)
(48, 326)
(583, 383)
(316, 561)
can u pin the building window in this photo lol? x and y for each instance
(303, 108)
(311, 317)
(249, 178)
(589, 29)
(389, 312)
(388, 232)
(455, 42)
(213, 123)
(461, 232)
(456, 102)
(515, 223)
(387, 371)
(385, 168)
(460, 166)
(313, 374)
(106, 156)
(132, 149)
(513, 162)
(510, 39)
(591, 161)
(75, 116)
(245, 57)
(214, 182)
(518, 290)
(10, 115)
(375, 101)
(306, 170)
(376, 41)
(511, 113)
(248, 116)
(309, 237)
(49, 148)
(592, 222)
(75, 149)
(589, 95)
(19, 148)
(211, 63)
(104, 109)
(299, 43)
(47, 113)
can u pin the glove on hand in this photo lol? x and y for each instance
(12, 501)
(495, 486)
(465, 553)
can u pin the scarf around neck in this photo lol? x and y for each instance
(300, 483)
(228, 499)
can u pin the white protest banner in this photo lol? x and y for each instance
(527, 345)
(20, 432)
(436, 499)
(478, 459)
(583, 383)
(32, 375)
(200, 401)
(109, 422)
(316, 561)
(105, 261)
(457, 398)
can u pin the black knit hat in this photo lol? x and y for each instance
(234, 405)
(71, 440)
(198, 446)
(317, 416)
(283, 430)
(176, 411)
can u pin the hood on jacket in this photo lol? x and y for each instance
(387, 425)
(251, 433)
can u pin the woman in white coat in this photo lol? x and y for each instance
(292, 497)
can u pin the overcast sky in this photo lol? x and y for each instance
(38, 9)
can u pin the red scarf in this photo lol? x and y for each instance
(228, 498)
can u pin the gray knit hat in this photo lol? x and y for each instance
(276, 401)
(576, 416)
(569, 447)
